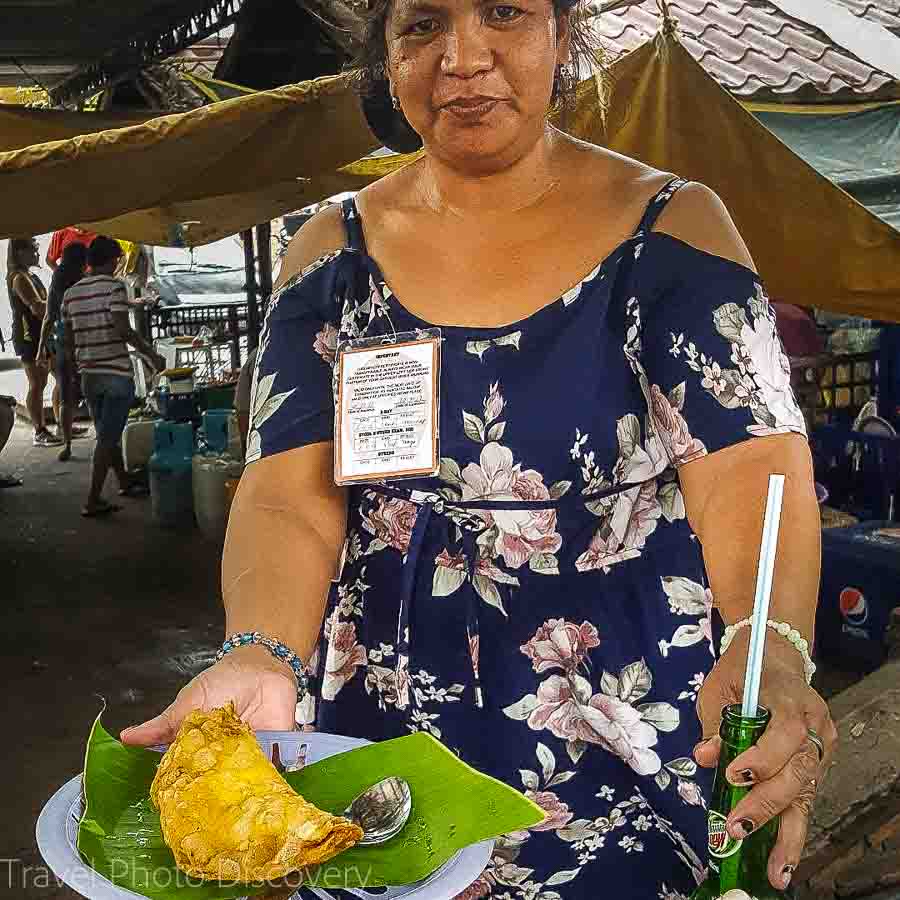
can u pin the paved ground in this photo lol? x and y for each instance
(115, 608)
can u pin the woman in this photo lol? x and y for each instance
(28, 300)
(543, 606)
(52, 348)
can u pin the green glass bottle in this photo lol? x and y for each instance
(734, 864)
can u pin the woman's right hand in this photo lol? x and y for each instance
(263, 689)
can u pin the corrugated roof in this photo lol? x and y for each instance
(758, 52)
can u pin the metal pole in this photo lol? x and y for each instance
(252, 309)
(264, 258)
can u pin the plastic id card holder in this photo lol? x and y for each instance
(386, 411)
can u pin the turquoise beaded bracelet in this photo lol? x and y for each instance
(279, 650)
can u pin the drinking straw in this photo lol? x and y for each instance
(764, 575)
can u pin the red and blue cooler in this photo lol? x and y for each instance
(860, 587)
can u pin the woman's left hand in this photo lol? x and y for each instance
(785, 767)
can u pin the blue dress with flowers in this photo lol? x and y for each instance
(541, 606)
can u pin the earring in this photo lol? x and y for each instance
(395, 101)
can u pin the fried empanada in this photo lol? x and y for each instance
(228, 815)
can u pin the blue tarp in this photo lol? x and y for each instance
(859, 151)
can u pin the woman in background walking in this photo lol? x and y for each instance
(28, 300)
(52, 350)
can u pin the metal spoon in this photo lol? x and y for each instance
(381, 811)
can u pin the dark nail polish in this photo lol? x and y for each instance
(744, 778)
(747, 826)
(786, 874)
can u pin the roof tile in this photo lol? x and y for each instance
(757, 51)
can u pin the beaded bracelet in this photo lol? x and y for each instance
(786, 631)
(279, 650)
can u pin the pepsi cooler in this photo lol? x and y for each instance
(860, 586)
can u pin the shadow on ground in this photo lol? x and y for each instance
(116, 608)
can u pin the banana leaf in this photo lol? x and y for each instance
(454, 806)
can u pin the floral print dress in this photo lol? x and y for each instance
(541, 606)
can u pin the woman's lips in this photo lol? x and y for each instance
(471, 107)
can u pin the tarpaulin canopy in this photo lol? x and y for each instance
(210, 172)
(192, 177)
(858, 150)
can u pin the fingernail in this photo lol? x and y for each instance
(743, 828)
(701, 745)
(786, 874)
(744, 778)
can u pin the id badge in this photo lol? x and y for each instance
(386, 410)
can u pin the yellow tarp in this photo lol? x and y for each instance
(192, 177)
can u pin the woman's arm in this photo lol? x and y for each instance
(27, 293)
(51, 316)
(725, 498)
(724, 311)
(288, 523)
(284, 540)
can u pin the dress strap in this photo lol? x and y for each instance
(658, 204)
(355, 238)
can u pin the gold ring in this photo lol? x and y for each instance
(816, 741)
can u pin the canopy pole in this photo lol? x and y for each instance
(252, 309)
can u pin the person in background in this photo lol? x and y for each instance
(51, 347)
(97, 334)
(28, 300)
(62, 238)
(7, 420)
(242, 398)
(797, 330)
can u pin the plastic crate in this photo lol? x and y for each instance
(860, 573)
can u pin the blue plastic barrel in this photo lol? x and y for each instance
(215, 429)
(171, 491)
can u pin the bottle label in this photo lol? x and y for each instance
(721, 843)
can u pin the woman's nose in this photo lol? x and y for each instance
(467, 52)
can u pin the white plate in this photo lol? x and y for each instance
(57, 832)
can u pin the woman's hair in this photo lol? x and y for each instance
(71, 266)
(370, 65)
(15, 248)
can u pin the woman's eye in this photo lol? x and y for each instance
(506, 13)
(422, 27)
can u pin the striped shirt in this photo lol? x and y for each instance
(87, 309)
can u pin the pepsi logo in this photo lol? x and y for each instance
(853, 606)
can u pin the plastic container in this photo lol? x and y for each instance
(860, 573)
(176, 407)
(138, 444)
(219, 397)
(171, 494)
(215, 429)
(211, 473)
(231, 486)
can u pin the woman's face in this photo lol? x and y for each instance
(29, 255)
(475, 77)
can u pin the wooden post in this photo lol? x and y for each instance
(252, 295)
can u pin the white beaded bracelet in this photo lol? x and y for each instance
(786, 631)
